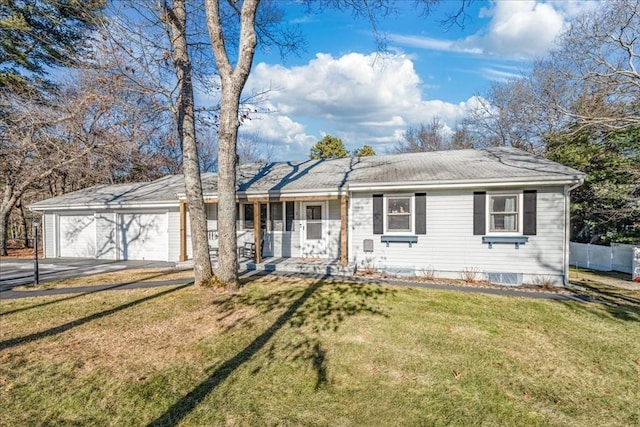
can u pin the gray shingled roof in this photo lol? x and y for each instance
(441, 167)
(161, 190)
(488, 165)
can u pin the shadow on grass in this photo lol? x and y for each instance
(69, 325)
(321, 307)
(621, 304)
(80, 294)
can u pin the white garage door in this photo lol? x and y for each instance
(77, 236)
(143, 236)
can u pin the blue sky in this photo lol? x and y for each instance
(342, 86)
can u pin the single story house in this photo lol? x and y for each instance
(498, 213)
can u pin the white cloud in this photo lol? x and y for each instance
(501, 73)
(363, 99)
(521, 29)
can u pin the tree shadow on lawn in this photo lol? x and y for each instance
(74, 323)
(614, 301)
(324, 304)
(99, 288)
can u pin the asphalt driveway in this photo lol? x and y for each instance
(17, 272)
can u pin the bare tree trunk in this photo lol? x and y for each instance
(233, 80)
(228, 239)
(8, 202)
(24, 231)
(177, 19)
(4, 222)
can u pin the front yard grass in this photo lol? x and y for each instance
(289, 351)
(113, 278)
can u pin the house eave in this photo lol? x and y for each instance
(277, 194)
(455, 184)
(102, 206)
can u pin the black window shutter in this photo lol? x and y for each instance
(479, 216)
(530, 212)
(289, 216)
(378, 214)
(421, 213)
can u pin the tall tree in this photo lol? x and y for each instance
(33, 144)
(606, 208)
(462, 138)
(329, 147)
(597, 65)
(35, 35)
(233, 79)
(244, 38)
(425, 137)
(176, 18)
(155, 42)
(252, 148)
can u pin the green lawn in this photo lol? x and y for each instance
(287, 351)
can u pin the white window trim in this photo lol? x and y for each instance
(412, 201)
(520, 213)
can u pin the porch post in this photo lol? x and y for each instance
(257, 238)
(344, 256)
(183, 231)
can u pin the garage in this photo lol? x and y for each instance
(77, 236)
(143, 236)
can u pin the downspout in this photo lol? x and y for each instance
(349, 228)
(567, 230)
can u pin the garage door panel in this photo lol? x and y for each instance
(143, 236)
(77, 236)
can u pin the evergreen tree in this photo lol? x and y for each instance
(35, 35)
(365, 151)
(329, 147)
(606, 208)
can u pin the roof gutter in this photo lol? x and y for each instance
(276, 194)
(493, 183)
(153, 205)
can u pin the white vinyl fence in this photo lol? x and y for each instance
(617, 257)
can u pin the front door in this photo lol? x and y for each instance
(313, 239)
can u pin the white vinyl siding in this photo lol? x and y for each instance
(174, 234)
(449, 246)
(106, 235)
(49, 240)
(143, 236)
(77, 236)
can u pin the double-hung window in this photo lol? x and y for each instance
(398, 214)
(503, 213)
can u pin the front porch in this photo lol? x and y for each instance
(280, 227)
